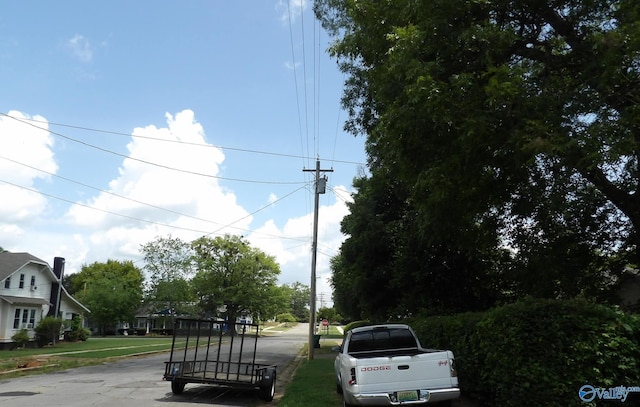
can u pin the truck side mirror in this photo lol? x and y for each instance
(336, 349)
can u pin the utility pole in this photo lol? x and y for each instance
(320, 185)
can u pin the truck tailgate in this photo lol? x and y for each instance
(393, 373)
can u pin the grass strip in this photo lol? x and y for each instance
(92, 344)
(314, 383)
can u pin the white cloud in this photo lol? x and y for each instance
(182, 180)
(291, 245)
(80, 48)
(290, 9)
(178, 174)
(25, 148)
(291, 66)
(197, 204)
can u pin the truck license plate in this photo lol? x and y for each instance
(407, 395)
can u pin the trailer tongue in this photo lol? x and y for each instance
(218, 353)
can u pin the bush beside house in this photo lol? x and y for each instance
(21, 338)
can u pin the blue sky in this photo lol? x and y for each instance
(122, 121)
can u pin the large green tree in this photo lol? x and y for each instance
(111, 290)
(297, 300)
(386, 268)
(506, 123)
(168, 264)
(235, 278)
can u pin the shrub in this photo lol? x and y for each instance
(76, 332)
(48, 331)
(355, 324)
(538, 352)
(286, 317)
(21, 338)
(458, 334)
(541, 352)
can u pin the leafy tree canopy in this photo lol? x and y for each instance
(504, 124)
(168, 264)
(297, 299)
(233, 276)
(111, 290)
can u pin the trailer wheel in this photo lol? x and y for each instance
(177, 386)
(268, 386)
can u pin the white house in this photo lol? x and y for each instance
(31, 290)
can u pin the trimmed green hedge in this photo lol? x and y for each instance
(456, 333)
(355, 324)
(539, 352)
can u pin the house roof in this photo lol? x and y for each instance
(70, 298)
(10, 262)
(24, 300)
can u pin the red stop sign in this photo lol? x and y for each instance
(325, 322)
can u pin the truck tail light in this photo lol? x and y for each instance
(452, 368)
(352, 380)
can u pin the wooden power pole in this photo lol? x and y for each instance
(320, 185)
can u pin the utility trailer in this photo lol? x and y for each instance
(218, 353)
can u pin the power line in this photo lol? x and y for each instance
(190, 143)
(152, 163)
(203, 232)
(151, 205)
(295, 79)
(99, 209)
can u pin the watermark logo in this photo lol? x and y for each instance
(589, 393)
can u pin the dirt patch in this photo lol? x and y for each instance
(31, 363)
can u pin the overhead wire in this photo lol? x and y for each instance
(306, 155)
(316, 89)
(152, 205)
(27, 121)
(295, 79)
(98, 209)
(304, 76)
(151, 162)
(199, 231)
(190, 143)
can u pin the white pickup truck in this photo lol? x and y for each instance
(384, 365)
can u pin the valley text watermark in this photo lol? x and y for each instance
(589, 393)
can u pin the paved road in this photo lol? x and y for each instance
(138, 381)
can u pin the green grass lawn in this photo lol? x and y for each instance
(314, 383)
(65, 355)
(116, 346)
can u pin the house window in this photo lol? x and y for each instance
(21, 281)
(7, 282)
(16, 319)
(24, 318)
(32, 318)
(33, 281)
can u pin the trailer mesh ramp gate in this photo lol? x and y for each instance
(218, 353)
